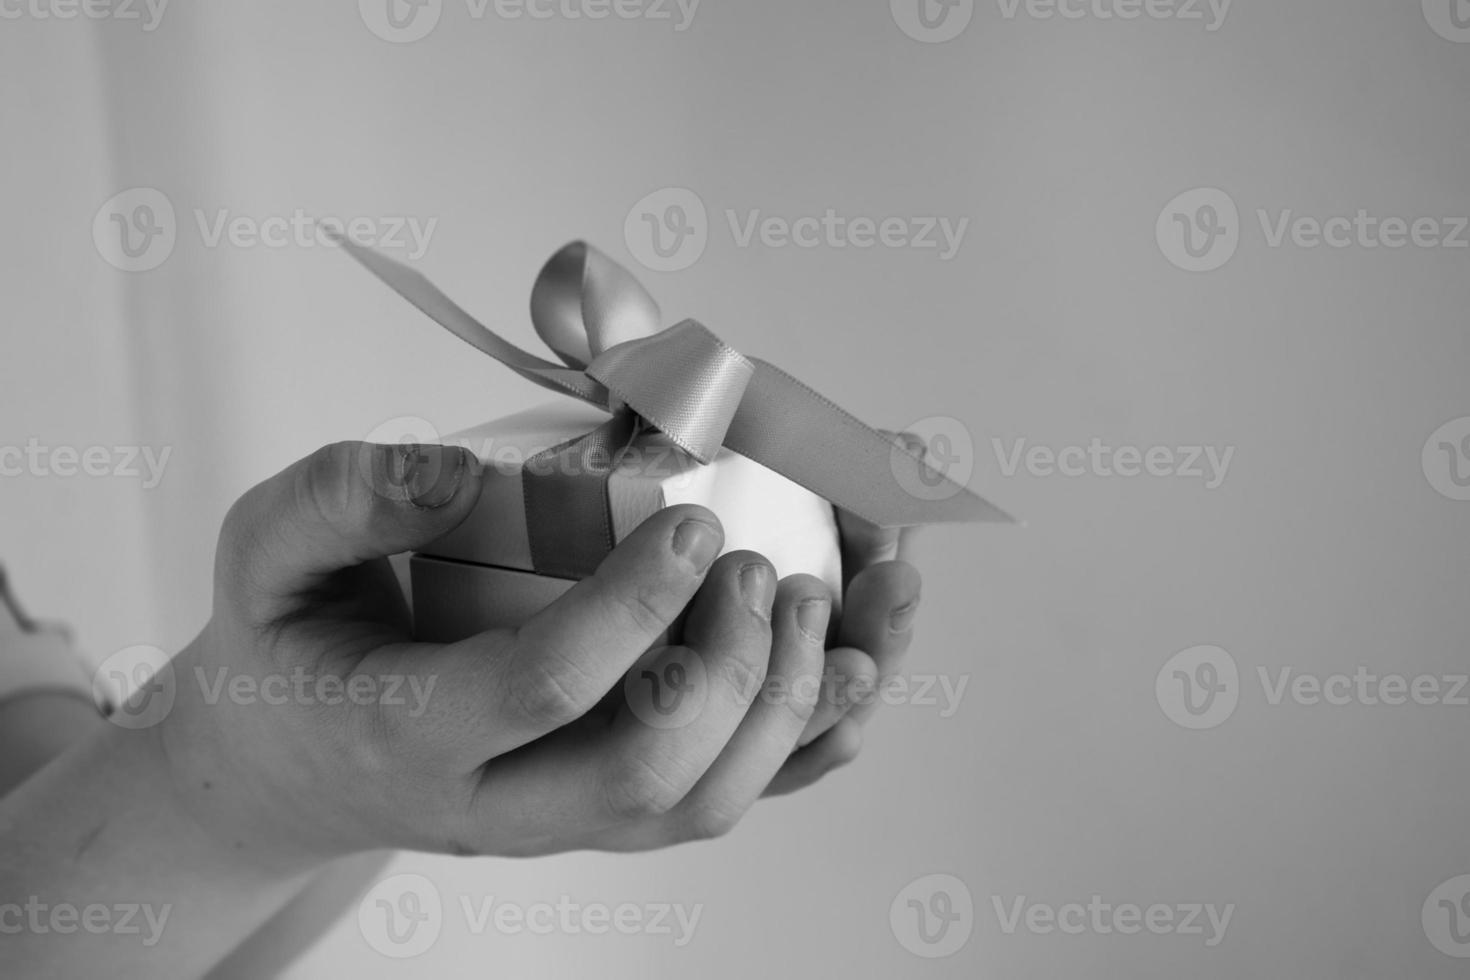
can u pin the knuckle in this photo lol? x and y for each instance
(637, 789)
(802, 697)
(640, 610)
(709, 820)
(744, 672)
(546, 693)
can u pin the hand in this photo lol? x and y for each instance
(503, 743)
(873, 635)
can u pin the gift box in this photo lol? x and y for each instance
(655, 416)
(497, 569)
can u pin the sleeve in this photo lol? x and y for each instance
(36, 657)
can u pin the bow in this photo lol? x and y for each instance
(699, 392)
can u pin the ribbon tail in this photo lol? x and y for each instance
(413, 286)
(787, 427)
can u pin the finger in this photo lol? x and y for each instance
(683, 705)
(864, 544)
(837, 748)
(774, 723)
(502, 689)
(343, 505)
(848, 678)
(882, 604)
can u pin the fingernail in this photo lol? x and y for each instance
(431, 474)
(811, 618)
(758, 586)
(697, 543)
(901, 620)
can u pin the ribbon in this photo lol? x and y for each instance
(688, 384)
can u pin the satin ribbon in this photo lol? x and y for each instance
(691, 386)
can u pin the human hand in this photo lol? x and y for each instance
(504, 743)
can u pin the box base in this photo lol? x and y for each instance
(454, 600)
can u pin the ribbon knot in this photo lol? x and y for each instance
(695, 389)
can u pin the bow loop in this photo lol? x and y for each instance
(584, 303)
(685, 382)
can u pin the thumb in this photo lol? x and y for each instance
(341, 506)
